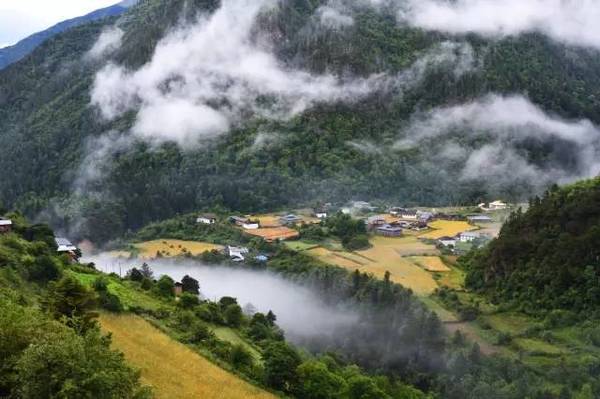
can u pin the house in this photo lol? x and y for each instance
(178, 289)
(419, 225)
(207, 218)
(388, 231)
(320, 213)
(236, 253)
(374, 221)
(395, 211)
(424, 216)
(362, 206)
(468, 236)
(5, 225)
(479, 219)
(493, 206)
(245, 223)
(408, 214)
(64, 246)
(290, 220)
(261, 258)
(447, 241)
(238, 220)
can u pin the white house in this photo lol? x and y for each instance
(251, 225)
(320, 213)
(408, 214)
(236, 253)
(207, 218)
(447, 241)
(493, 206)
(64, 245)
(5, 225)
(468, 236)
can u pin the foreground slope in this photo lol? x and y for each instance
(171, 368)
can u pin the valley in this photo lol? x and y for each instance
(324, 199)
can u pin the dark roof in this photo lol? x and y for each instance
(208, 216)
(387, 227)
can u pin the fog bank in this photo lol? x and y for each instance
(300, 312)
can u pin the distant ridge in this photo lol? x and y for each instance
(12, 54)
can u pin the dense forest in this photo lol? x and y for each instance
(547, 257)
(333, 151)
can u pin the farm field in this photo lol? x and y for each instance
(430, 263)
(387, 254)
(274, 233)
(172, 369)
(168, 248)
(448, 228)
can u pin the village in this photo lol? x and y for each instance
(416, 246)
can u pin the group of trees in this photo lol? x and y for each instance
(546, 258)
(50, 344)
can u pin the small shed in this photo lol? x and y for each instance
(207, 218)
(389, 231)
(5, 226)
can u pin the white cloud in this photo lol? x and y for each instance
(574, 22)
(334, 15)
(214, 74)
(108, 41)
(503, 125)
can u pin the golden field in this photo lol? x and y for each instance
(449, 228)
(430, 263)
(172, 369)
(387, 254)
(274, 233)
(167, 248)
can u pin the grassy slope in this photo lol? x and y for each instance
(174, 370)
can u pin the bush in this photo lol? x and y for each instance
(199, 332)
(110, 302)
(188, 301)
(356, 242)
(240, 358)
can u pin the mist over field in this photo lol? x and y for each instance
(300, 312)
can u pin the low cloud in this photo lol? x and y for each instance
(496, 139)
(108, 41)
(574, 22)
(335, 14)
(211, 76)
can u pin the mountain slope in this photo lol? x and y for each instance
(547, 257)
(333, 151)
(14, 53)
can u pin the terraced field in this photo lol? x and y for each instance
(173, 370)
(168, 248)
(447, 228)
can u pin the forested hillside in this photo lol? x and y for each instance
(12, 54)
(69, 164)
(547, 257)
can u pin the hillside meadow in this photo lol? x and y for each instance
(173, 370)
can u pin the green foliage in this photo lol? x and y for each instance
(42, 358)
(190, 285)
(546, 258)
(281, 362)
(69, 299)
(165, 287)
(188, 301)
(317, 382)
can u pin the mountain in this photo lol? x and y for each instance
(14, 53)
(294, 109)
(547, 257)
